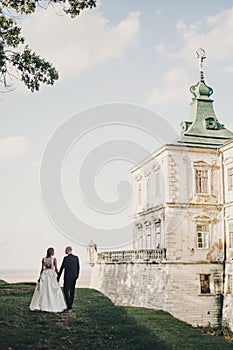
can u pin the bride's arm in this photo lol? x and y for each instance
(55, 265)
(42, 268)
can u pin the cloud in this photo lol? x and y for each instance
(13, 147)
(157, 12)
(73, 45)
(173, 89)
(161, 49)
(164, 51)
(214, 34)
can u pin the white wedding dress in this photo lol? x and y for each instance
(48, 295)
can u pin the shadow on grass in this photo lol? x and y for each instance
(94, 323)
(177, 334)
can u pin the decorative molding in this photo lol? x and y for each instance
(228, 161)
(156, 167)
(202, 218)
(147, 223)
(138, 178)
(201, 164)
(147, 173)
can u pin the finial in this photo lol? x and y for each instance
(200, 56)
(201, 90)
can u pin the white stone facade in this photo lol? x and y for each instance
(227, 169)
(171, 218)
(189, 223)
(182, 255)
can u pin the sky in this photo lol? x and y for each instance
(66, 151)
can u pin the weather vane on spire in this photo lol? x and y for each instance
(200, 56)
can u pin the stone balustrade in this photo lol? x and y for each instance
(148, 255)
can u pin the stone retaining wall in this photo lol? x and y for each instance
(172, 287)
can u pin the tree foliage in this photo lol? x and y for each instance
(17, 60)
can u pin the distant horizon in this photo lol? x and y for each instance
(17, 276)
(5, 270)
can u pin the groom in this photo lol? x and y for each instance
(71, 268)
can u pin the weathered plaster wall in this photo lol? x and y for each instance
(228, 298)
(227, 163)
(174, 288)
(181, 238)
(176, 178)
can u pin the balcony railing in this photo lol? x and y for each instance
(148, 255)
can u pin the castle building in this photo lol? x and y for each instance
(182, 256)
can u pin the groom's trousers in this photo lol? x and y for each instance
(69, 288)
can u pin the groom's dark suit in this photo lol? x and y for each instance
(71, 266)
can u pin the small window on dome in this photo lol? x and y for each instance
(211, 123)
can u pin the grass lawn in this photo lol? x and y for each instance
(94, 323)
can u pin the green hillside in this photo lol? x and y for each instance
(94, 323)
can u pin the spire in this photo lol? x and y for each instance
(201, 90)
(203, 127)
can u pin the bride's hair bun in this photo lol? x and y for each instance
(50, 252)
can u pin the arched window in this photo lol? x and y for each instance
(147, 235)
(157, 234)
(138, 244)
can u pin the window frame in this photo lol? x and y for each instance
(157, 230)
(139, 192)
(201, 181)
(230, 178)
(230, 234)
(229, 284)
(157, 182)
(202, 235)
(147, 235)
(147, 195)
(203, 187)
(205, 283)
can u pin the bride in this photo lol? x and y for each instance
(48, 295)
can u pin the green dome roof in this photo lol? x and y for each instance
(203, 127)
